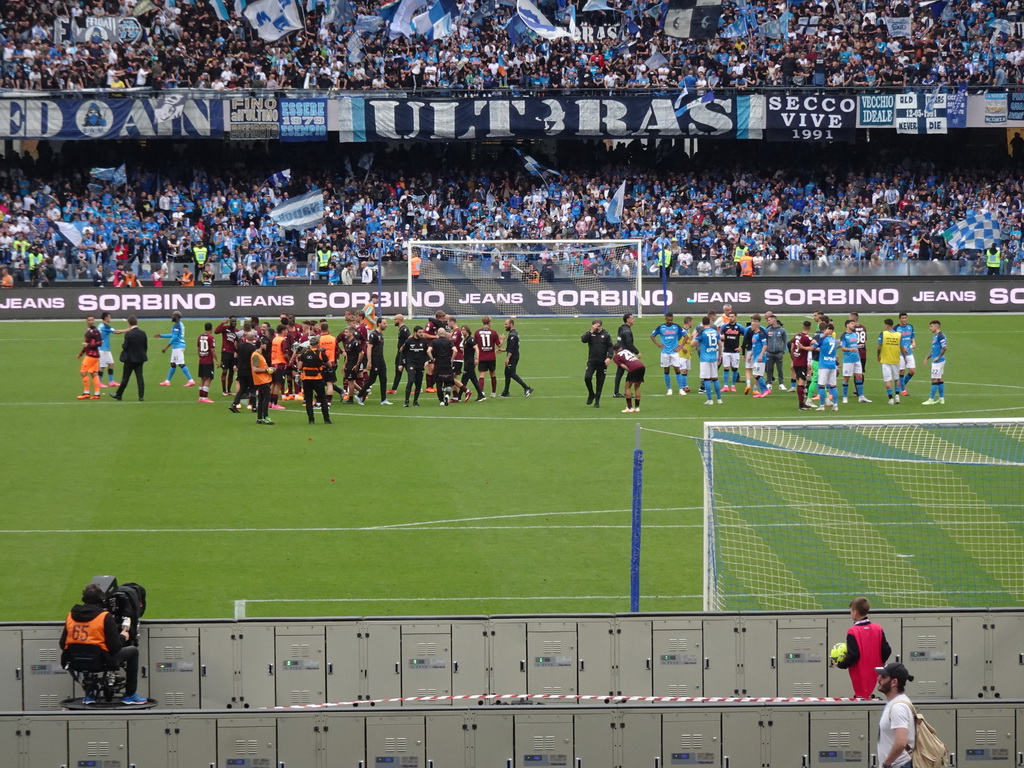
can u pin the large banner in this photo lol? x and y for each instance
(876, 110)
(169, 117)
(493, 119)
(253, 118)
(98, 29)
(921, 113)
(811, 117)
(684, 297)
(303, 119)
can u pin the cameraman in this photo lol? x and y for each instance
(92, 624)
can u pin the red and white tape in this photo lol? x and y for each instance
(482, 698)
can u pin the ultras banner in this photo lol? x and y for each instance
(490, 119)
(683, 297)
(168, 117)
(811, 117)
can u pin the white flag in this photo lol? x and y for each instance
(300, 212)
(273, 19)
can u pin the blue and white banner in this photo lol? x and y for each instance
(366, 119)
(920, 113)
(976, 232)
(956, 108)
(280, 178)
(170, 117)
(876, 110)
(273, 19)
(300, 212)
(303, 119)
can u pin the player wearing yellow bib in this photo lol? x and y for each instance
(685, 351)
(890, 348)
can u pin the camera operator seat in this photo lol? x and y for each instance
(100, 676)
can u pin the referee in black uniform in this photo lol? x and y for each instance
(624, 340)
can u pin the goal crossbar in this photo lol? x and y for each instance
(502, 277)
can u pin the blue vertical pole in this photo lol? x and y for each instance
(634, 559)
(380, 282)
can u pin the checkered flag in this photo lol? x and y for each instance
(974, 233)
(693, 19)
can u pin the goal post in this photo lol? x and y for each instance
(526, 278)
(913, 513)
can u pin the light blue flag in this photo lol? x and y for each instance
(300, 212)
(596, 5)
(613, 214)
(537, 22)
(116, 176)
(369, 25)
(737, 29)
(220, 10)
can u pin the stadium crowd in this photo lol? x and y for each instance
(839, 43)
(699, 212)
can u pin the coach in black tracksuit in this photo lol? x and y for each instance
(625, 339)
(600, 344)
(243, 361)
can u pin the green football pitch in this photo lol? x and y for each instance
(507, 506)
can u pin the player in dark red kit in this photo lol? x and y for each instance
(799, 348)
(434, 324)
(206, 345)
(457, 353)
(353, 346)
(635, 372)
(229, 334)
(488, 342)
(293, 382)
(469, 365)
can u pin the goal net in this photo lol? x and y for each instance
(909, 513)
(527, 277)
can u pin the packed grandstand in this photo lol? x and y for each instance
(871, 205)
(839, 43)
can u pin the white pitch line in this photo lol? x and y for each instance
(417, 526)
(456, 599)
(533, 514)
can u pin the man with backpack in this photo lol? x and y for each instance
(896, 726)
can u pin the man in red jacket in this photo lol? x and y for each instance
(866, 648)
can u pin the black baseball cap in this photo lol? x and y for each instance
(895, 670)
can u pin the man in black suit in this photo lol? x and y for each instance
(133, 355)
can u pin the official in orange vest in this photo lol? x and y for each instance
(92, 624)
(747, 265)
